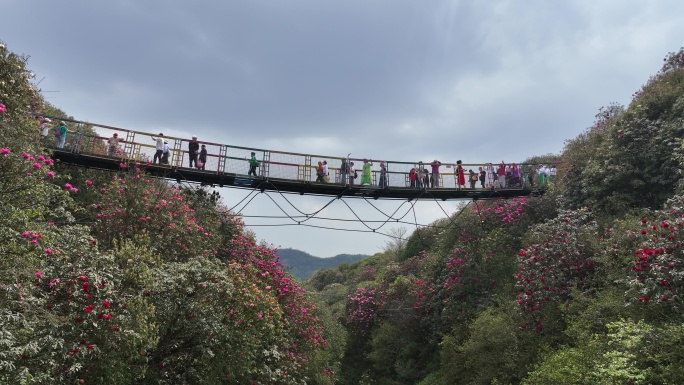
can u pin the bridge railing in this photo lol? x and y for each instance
(93, 139)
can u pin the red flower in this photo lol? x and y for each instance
(106, 304)
(89, 308)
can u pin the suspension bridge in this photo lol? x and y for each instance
(88, 145)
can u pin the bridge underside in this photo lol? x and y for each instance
(288, 185)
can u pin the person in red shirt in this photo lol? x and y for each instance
(501, 172)
(435, 173)
(412, 178)
(461, 183)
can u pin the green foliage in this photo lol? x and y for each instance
(18, 96)
(616, 357)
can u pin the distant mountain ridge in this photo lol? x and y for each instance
(302, 264)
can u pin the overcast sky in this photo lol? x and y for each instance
(387, 79)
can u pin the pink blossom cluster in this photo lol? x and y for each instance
(33, 236)
(507, 211)
(292, 297)
(551, 269)
(656, 274)
(362, 308)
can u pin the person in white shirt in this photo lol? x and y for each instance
(491, 176)
(326, 173)
(45, 130)
(552, 174)
(45, 127)
(159, 147)
(352, 173)
(165, 153)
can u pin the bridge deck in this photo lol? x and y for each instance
(226, 166)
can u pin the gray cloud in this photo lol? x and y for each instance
(388, 79)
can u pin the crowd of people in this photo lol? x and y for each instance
(347, 173)
(422, 176)
(197, 154)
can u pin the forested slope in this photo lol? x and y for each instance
(579, 286)
(118, 278)
(302, 265)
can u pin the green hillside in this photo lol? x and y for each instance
(582, 285)
(121, 278)
(302, 265)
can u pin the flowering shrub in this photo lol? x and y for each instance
(673, 61)
(304, 327)
(66, 321)
(503, 211)
(362, 308)
(657, 273)
(562, 260)
(133, 205)
(17, 95)
(466, 286)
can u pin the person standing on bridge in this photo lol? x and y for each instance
(460, 175)
(435, 173)
(383, 176)
(165, 153)
(253, 164)
(326, 172)
(501, 173)
(515, 176)
(352, 173)
(45, 131)
(61, 133)
(483, 177)
(193, 149)
(344, 168)
(113, 143)
(319, 173)
(159, 148)
(366, 177)
(202, 158)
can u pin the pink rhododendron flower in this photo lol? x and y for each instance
(89, 182)
(26, 234)
(49, 161)
(48, 251)
(68, 186)
(25, 155)
(50, 174)
(4, 151)
(37, 166)
(39, 273)
(3, 109)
